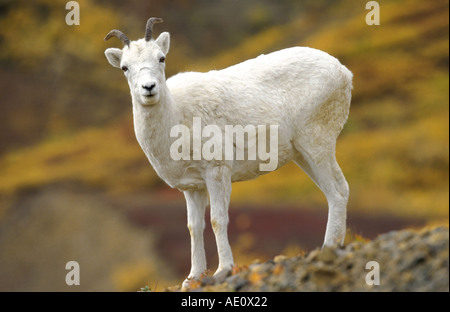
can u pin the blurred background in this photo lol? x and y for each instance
(74, 184)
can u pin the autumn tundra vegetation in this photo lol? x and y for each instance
(75, 185)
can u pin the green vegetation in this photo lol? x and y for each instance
(145, 289)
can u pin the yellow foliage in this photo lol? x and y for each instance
(351, 237)
(94, 156)
(393, 150)
(238, 268)
(255, 277)
(278, 269)
(131, 276)
(38, 31)
(293, 250)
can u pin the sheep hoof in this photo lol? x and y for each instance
(187, 283)
(221, 275)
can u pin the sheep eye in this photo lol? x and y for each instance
(124, 68)
(162, 59)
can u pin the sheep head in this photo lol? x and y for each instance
(142, 61)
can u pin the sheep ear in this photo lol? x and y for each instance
(114, 56)
(164, 42)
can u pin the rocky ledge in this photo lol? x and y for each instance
(406, 260)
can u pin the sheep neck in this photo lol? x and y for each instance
(152, 125)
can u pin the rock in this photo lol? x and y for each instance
(408, 260)
(279, 258)
(236, 282)
(313, 255)
(328, 254)
(208, 280)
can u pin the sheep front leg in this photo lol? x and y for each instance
(218, 182)
(196, 202)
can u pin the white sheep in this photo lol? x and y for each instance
(304, 92)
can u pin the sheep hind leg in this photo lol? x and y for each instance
(328, 176)
(218, 182)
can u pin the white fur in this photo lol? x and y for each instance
(305, 91)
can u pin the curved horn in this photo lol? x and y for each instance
(149, 27)
(120, 35)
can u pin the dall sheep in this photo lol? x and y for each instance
(305, 93)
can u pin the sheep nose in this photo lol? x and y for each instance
(149, 87)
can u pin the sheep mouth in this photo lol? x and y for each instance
(149, 99)
(148, 95)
